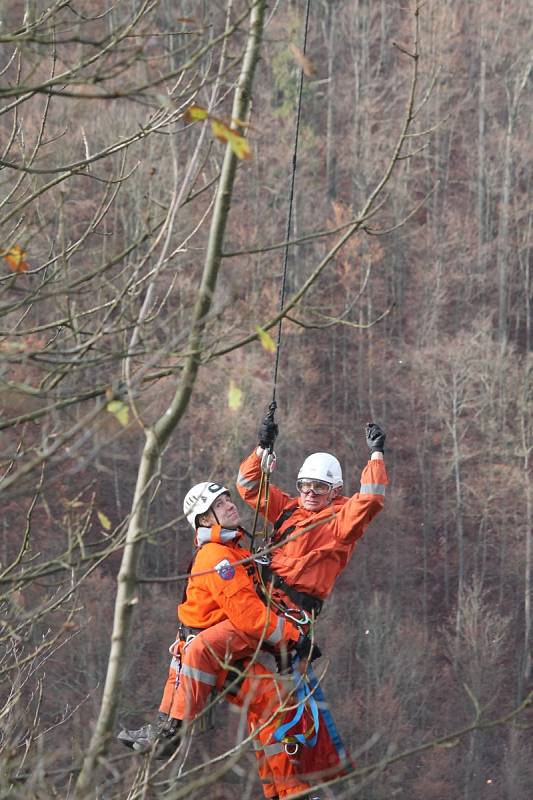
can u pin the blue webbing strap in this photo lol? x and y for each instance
(304, 697)
(318, 694)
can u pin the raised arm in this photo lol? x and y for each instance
(354, 517)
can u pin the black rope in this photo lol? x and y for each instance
(265, 477)
(291, 198)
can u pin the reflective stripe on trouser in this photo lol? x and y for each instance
(202, 666)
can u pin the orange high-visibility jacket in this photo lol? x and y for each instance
(312, 562)
(220, 588)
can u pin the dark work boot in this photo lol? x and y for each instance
(165, 730)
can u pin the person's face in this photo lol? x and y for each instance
(315, 495)
(227, 513)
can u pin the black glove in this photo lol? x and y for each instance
(268, 430)
(375, 438)
(306, 649)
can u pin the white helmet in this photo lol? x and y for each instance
(322, 467)
(200, 498)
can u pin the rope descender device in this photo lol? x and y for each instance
(268, 462)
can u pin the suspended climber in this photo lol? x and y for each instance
(316, 532)
(224, 622)
(221, 618)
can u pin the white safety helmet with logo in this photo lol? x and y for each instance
(200, 498)
(321, 467)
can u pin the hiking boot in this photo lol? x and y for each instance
(129, 737)
(165, 731)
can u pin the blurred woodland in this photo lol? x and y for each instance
(141, 268)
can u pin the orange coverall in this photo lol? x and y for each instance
(221, 599)
(313, 561)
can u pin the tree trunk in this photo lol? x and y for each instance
(158, 437)
(329, 31)
(503, 232)
(527, 571)
(458, 500)
(481, 168)
(527, 448)
(503, 239)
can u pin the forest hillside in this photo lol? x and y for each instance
(145, 252)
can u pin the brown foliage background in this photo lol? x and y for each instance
(434, 604)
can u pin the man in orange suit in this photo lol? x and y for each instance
(316, 532)
(223, 624)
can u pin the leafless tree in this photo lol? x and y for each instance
(140, 259)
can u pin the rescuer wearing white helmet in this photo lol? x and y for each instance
(223, 621)
(209, 496)
(319, 481)
(316, 531)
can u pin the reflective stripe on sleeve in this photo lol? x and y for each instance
(275, 636)
(198, 675)
(247, 483)
(372, 488)
(175, 664)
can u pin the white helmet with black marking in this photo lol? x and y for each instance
(322, 467)
(200, 498)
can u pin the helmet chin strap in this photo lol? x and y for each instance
(217, 521)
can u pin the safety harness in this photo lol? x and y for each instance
(309, 603)
(271, 580)
(302, 730)
(305, 700)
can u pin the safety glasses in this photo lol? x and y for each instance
(305, 486)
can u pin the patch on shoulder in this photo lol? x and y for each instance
(225, 569)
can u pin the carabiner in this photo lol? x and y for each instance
(263, 559)
(173, 645)
(305, 620)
